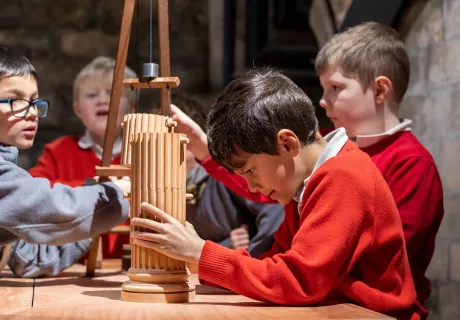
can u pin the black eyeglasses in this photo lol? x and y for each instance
(20, 107)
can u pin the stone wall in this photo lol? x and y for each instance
(60, 37)
(432, 101)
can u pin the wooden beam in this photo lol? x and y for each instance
(163, 36)
(119, 230)
(160, 82)
(117, 84)
(92, 257)
(114, 170)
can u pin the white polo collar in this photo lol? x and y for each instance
(335, 142)
(368, 140)
(86, 142)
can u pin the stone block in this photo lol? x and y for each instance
(451, 21)
(432, 304)
(455, 261)
(444, 63)
(440, 114)
(10, 14)
(418, 78)
(428, 28)
(25, 38)
(88, 44)
(411, 108)
(451, 222)
(437, 270)
(449, 297)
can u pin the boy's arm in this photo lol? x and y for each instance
(417, 190)
(269, 219)
(198, 145)
(35, 212)
(333, 231)
(313, 265)
(36, 260)
(47, 168)
(234, 182)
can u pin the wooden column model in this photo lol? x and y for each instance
(164, 82)
(156, 158)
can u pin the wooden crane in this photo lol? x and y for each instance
(154, 157)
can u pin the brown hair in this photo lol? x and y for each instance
(251, 111)
(365, 52)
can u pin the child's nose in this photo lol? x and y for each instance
(253, 187)
(32, 114)
(323, 103)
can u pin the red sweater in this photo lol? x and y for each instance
(413, 178)
(65, 162)
(414, 181)
(340, 248)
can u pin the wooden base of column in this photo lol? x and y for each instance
(134, 291)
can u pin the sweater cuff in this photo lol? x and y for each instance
(208, 164)
(215, 263)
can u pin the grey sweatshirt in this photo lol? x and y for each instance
(52, 225)
(216, 211)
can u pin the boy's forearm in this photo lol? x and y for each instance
(34, 211)
(34, 260)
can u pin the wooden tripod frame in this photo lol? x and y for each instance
(158, 171)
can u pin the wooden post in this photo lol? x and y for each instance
(110, 131)
(163, 36)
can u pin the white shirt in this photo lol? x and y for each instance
(336, 140)
(86, 142)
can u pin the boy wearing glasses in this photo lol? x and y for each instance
(45, 224)
(72, 160)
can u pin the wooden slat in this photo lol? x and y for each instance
(163, 36)
(93, 257)
(160, 82)
(114, 170)
(119, 230)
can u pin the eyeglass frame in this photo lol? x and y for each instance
(31, 103)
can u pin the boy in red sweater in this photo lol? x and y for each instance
(72, 160)
(342, 237)
(364, 72)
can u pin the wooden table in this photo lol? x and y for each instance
(71, 296)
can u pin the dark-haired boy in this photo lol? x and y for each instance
(365, 72)
(220, 215)
(342, 238)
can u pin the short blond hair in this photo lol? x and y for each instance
(365, 52)
(100, 67)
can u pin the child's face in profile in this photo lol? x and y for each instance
(14, 131)
(92, 105)
(347, 104)
(272, 175)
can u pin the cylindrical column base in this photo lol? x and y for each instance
(134, 291)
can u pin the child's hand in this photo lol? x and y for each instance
(198, 144)
(124, 183)
(239, 237)
(168, 237)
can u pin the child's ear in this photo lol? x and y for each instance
(76, 109)
(288, 142)
(383, 87)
